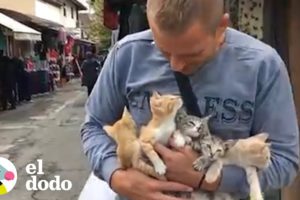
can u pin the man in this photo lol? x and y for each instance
(8, 79)
(22, 79)
(90, 69)
(240, 79)
(2, 75)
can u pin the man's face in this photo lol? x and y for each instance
(189, 50)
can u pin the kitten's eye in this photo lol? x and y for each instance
(191, 123)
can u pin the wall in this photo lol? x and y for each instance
(23, 6)
(293, 192)
(67, 21)
(47, 11)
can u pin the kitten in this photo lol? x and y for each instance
(196, 133)
(129, 152)
(250, 153)
(160, 127)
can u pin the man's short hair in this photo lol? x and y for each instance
(175, 15)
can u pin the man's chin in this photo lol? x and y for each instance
(190, 71)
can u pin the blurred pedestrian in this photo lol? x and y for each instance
(2, 75)
(8, 79)
(90, 69)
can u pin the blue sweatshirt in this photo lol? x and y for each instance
(246, 85)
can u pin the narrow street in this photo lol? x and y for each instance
(47, 129)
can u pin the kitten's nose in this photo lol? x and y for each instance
(199, 129)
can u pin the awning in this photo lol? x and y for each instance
(20, 31)
(32, 21)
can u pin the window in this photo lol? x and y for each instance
(72, 12)
(76, 13)
(65, 10)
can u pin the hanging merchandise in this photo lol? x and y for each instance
(110, 16)
(251, 17)
(62, 35)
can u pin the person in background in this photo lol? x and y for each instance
(2, 76)
(19, 68)
(90, 69)
(132, 16)
(25, 79)
(9, 77)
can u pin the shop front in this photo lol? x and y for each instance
(16, 37)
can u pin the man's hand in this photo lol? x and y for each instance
(136, 186)
(180, 169)
(179, 164)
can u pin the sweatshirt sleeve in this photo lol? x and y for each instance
(104, 106)
(275, 114)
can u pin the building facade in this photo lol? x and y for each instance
(62, 12)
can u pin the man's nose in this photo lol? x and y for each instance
(177, 64)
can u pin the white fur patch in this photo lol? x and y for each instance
(164, 132)
(160, 167)
(179, 140)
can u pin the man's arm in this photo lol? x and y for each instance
(104, 106)
(274, 113)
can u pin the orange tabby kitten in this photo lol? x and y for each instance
(124, 132)
(160, 128)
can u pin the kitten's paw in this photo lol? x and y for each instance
(188, 140)
(197, 164)
(160, 168)
(256, 197)
(211, 176)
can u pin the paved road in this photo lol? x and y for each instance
(47, 129)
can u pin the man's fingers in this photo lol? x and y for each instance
(174, 187)
(162, 150)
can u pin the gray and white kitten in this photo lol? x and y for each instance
(250, 153)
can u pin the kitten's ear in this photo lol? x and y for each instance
(125, 113)
(179, 103)
(108, 129)
(207, 118)
(181, 112)
(262, 136)
(228, 144)
(155, 94)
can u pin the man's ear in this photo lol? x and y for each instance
(221, 29)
